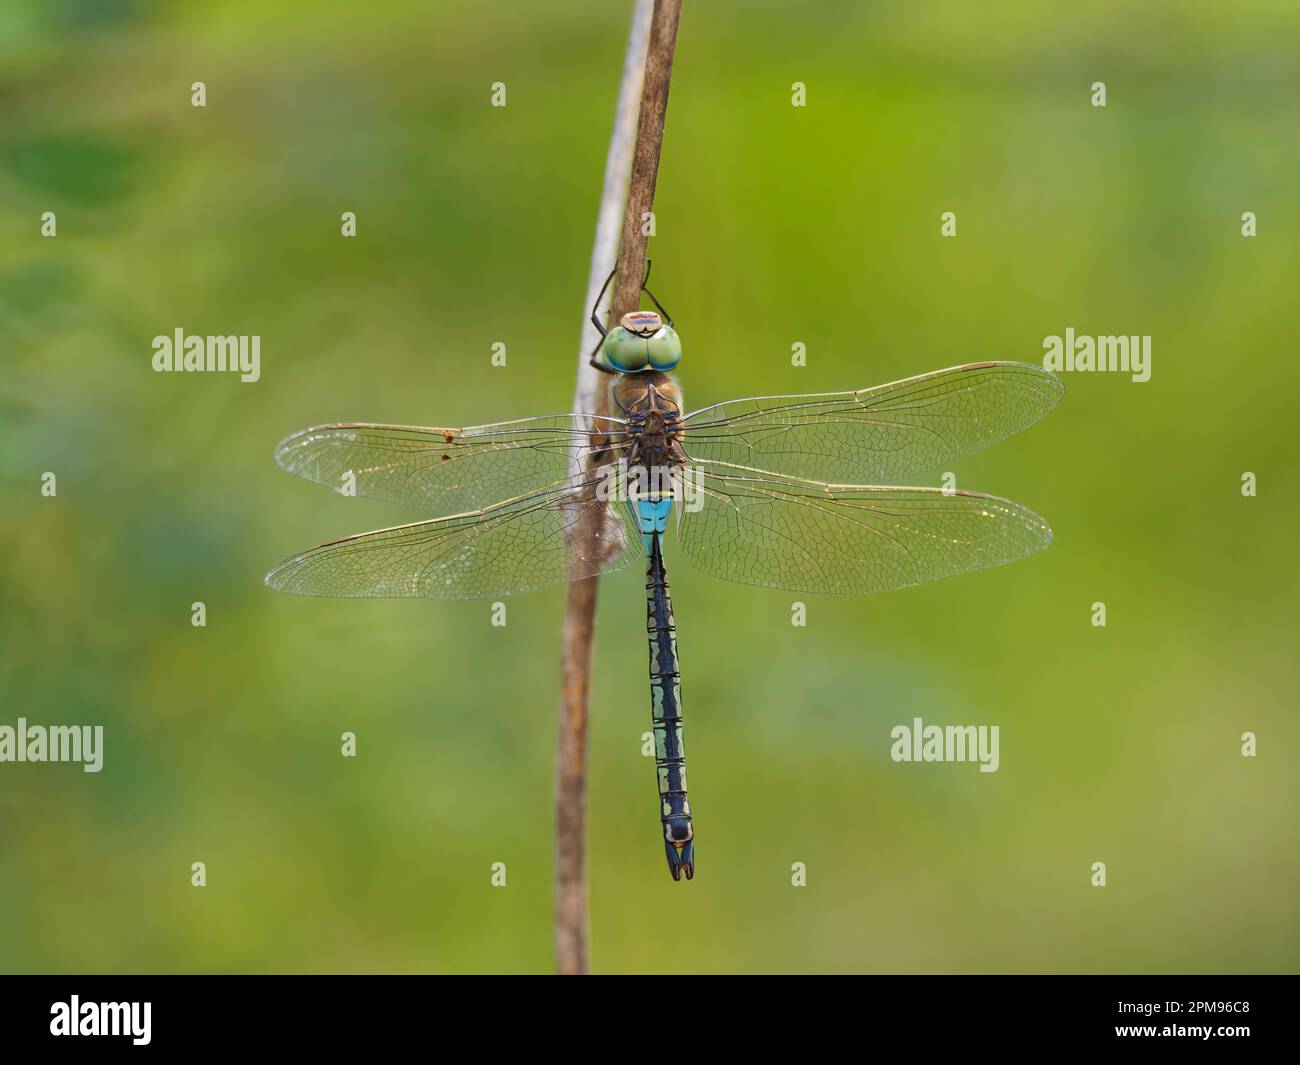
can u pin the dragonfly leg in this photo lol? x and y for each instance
(595, 361)
(600, 328)
(658, 306)
(595, 307)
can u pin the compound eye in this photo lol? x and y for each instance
(624, 351)
(665, 349)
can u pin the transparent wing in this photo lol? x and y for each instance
(878, 434)
(779, 533)
(515, 546)
(444, 471)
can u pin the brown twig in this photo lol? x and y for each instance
(645, 162)
(647, 69)
(571, 923)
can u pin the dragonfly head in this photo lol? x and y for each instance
(642, 341)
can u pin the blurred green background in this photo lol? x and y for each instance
(775, 225)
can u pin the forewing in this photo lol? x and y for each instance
(877, 435)
(444, 471)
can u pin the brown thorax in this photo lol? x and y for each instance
(651, 402)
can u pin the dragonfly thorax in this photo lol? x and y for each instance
(655, 445)
(636, 396)
(652, 404)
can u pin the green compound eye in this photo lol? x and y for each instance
(625, 351)
(665, 349)
(642, 341)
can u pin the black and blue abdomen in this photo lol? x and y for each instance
(665, 693)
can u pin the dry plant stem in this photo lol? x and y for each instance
(646, 73)
(571, 923)
(645, 161)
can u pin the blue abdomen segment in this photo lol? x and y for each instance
(651, 517)
(666, 714)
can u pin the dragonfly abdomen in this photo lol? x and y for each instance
(666, 718)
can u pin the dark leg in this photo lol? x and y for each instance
(595, 309)
(658, 306)
(600, 328)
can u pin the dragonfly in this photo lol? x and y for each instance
(804, 493)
